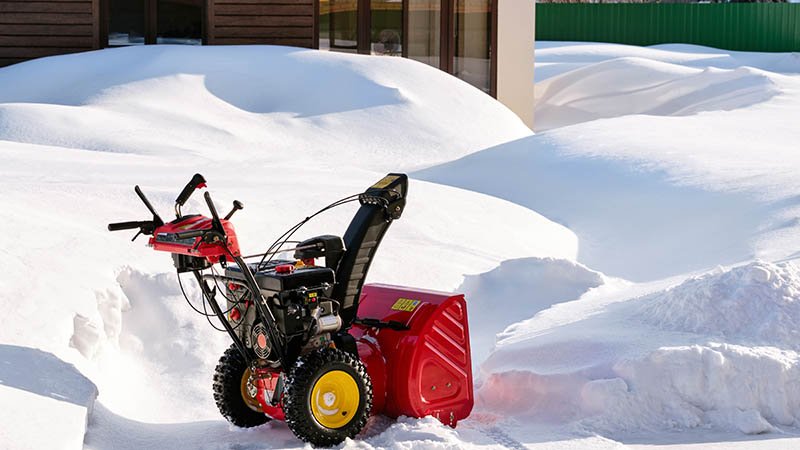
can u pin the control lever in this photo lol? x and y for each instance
(237, 205)
(197, 182)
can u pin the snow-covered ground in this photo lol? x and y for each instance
(608, 260)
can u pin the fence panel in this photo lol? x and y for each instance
(764, 27)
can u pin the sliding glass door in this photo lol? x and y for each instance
(472, 37)
(139, 22)
(425, 31)
(453, 35)
(338, 25)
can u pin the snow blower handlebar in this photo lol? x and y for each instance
(145, 226)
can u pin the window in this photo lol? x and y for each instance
(180, 22)
(425, 31)
(386, 36)
(473, 26)
(126, 22)
(338, 25)
(138, 22)
(453, 35)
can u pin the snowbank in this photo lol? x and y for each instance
(716, 350)
(652, 196)
(516, 290)
(257, 103)
(644, 86)
(46, 402)
(755, 304)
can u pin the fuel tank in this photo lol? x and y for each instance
(425, 369)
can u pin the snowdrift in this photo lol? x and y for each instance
(643, 86)
(273, 104)
(654, 196)
(673, 359)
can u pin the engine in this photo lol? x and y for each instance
(297, 295)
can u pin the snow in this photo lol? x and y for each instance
(627, 268)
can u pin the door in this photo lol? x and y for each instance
(472, 38)
(139, 22)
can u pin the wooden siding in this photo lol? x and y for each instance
(35, 28)
(276, 22)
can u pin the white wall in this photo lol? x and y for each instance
(515, 46)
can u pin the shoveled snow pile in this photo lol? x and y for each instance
(518, 289)
(755, 304)
(716, 350)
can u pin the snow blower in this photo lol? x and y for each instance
(312, 344)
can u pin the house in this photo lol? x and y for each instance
(488, 43)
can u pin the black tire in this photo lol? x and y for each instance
(305, 374)
(228, 391)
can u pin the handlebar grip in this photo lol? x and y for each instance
(126, 225)
(190, 234)
(197, 181)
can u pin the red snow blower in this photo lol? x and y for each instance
(312, 344)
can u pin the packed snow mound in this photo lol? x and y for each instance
(756, 303)
(634, 85)
(518, 289)
(695, 354)
(265, 103)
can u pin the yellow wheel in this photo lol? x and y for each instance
(328, 397)
(249, 390)
(334, 399)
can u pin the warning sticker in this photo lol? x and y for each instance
(405, 304)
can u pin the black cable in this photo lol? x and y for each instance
(288, 234)
(204, 312)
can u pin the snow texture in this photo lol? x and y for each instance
(584, 250)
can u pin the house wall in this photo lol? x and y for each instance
(32, 29)
(274, 22)
(515, 56)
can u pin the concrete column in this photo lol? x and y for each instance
(515, 46)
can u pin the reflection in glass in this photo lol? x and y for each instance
(424, 31)
(387, 27)
(338, 25)
(473, 27)
(126, 22)
(180, 22)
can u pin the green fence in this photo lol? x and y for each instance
(761, 27)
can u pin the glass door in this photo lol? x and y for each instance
(180, 22)
(472, 35)
(425, 31)
(386, 23)
(338, 25)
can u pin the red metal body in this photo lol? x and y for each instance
(425, 370)
(164, 239)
